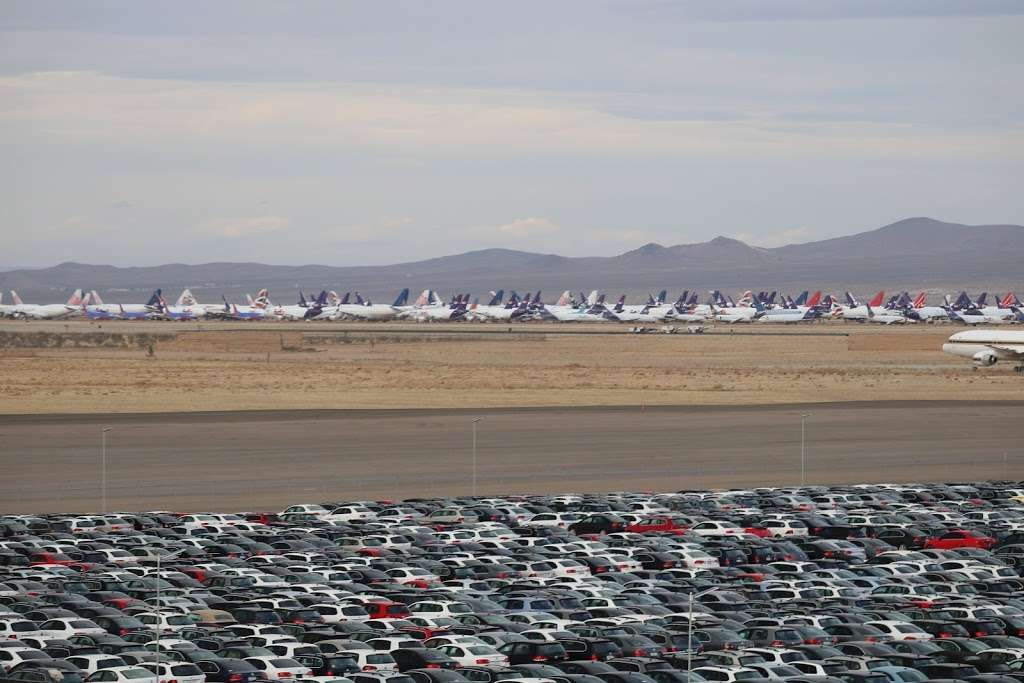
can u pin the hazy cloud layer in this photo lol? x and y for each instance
(351, 133)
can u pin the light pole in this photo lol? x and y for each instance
(103, 465)
(475, 421)
(689, 628)
(803, 420)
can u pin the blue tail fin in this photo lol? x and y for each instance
(496, 298)
(155, 299)
(403, 297)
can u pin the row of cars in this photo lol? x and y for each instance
(862, 584)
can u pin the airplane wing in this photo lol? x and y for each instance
(1017, 350)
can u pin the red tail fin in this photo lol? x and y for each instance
(814, 300)
(1008, 300)
(876, 302)
(920, 300)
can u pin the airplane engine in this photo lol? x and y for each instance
(985, 358)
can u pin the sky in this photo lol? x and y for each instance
(349, 133)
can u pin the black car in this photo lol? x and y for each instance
(422, 658)
(601, 523)
(224, 670)
(594, 649)
(436, 676)
(532, 651)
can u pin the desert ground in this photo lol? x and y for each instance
(243, 416)
(166, 367)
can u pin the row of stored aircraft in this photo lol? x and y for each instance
(983, 347)
(762, 307)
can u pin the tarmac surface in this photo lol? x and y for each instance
(264, 460)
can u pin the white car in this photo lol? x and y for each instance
(372, 660)
(717, 528)
(182, 672)
(782, 528)
(66, 627)
(279, 667)
(123, 674)
(728, 674)
(90, 664)
(14, 628)
(10, 657)
(901, 630)
(166, 622)
(469, 655)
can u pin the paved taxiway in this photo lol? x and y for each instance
(263, 460)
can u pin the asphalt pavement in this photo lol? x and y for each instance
(266, 459)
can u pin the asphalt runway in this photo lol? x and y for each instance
(265, 460)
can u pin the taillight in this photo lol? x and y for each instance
(234, 678)
(369, 667)
(482, 661)
(777, 643)
(871, 639)
(638, 653)
(979, 634)
(433, 666)
(945, 634)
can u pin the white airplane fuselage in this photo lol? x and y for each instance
(985, 347)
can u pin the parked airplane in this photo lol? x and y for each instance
(44, 311)
(987, 347)
(185, 308)
(299, 311)
(366, 310)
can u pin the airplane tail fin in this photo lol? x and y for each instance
(15, 298)
(186, 299)
(95, 298)
(156, 299)
(536, 298)
(619, 303)
(876, 301)
(1007, 301)
(592, 299)
(564, 299)
(815, 299)
(980, 303)
(496, 298)
(403, 298)
(76, 298)
(302, 300)
(345, 299)
(424, 298)
(919, 302)
(662, 297)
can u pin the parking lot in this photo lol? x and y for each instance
(843, 584)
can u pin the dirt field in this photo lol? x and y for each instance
(267, 460)
(267, 367)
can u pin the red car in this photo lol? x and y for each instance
(660, 524)
(961, 538)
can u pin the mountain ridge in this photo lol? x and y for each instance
(913, 252)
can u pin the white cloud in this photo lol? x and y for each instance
(370, 231)
(520, 227)
(777, 239)
(244, 226)
(87, 107)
